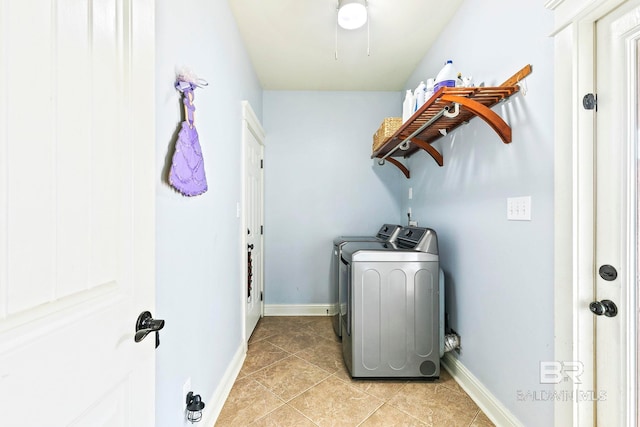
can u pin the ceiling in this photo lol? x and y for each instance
(292, 43)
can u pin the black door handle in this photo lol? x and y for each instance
(606, 307)
(147, 324)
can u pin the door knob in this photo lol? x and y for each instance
(606, 307)
(147, 324)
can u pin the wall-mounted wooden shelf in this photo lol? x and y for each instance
(447, 109)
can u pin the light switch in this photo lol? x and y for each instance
(519, 208)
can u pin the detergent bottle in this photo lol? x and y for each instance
(408, 106)
(419, 95)
(429, 92)
(446, 77)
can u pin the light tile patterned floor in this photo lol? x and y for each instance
(294, 376)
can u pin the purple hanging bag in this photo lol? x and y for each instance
(187, 166)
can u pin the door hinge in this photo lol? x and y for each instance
(260, 295)
(261, 164)
(590, 102)
(261, 230)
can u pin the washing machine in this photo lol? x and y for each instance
(391, 317)
(387, 233)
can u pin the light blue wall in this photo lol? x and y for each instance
(198, 252)
(320, 183)
(499, 273)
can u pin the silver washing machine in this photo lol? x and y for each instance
(387, 233)
(391, 320)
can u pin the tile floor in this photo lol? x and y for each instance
(294, 376)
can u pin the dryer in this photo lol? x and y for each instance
(387, 233)
(391, 316)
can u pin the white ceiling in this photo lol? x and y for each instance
(292, 42)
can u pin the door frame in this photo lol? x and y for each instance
(574, 203)
(250, 123)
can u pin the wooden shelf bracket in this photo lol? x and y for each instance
(495, 121)
(399, 165)
(429, 149)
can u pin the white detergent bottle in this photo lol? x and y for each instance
(446, 77)
(419, 95)
(408, 106)
(429, 91)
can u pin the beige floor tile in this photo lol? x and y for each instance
(289, 377)
(325, 354)
(322, 327)
(382, 389)
(320, 391)
(293, 341)
(248, 401)
(263, 330)
(287, 323)
(388, 416)
(260, 355)
(284, 416)
(435, 405)
(482, 420)
(334, 403)
(447, 380)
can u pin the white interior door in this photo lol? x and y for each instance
(253, 148)
(617, 56)
(76, 212)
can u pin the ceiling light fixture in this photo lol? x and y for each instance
(352, 14)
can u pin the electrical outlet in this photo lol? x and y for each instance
(519, 208)
(410, 193)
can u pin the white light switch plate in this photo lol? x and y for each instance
(519, 208)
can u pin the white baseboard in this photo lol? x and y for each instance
(491, 406)
(299, 309)
(213, 407)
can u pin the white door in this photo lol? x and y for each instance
(253, 148)
(617, 56)
(76, 212)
